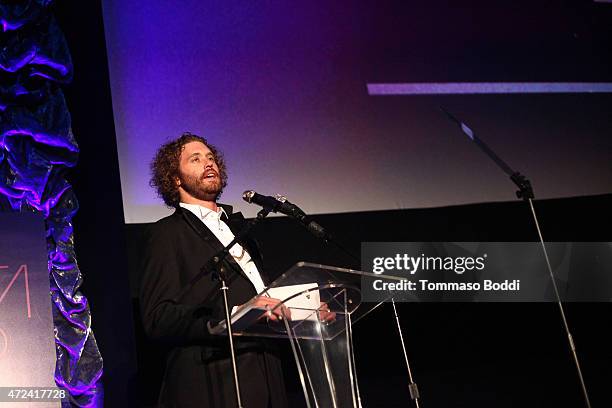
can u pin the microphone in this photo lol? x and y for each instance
(280, 204)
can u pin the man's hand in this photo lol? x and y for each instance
(276, 310)
(326, 315)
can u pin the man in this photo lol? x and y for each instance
(189, 175)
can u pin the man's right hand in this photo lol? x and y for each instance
(276, 310)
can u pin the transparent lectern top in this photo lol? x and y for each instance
(323, 301)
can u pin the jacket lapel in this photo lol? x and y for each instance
(236, 223)
(208, 237)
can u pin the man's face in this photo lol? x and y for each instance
(198, 173)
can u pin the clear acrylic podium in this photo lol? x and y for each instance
(324, 303)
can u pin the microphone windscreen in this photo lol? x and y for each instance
(248, 195)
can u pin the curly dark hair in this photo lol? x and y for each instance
(165, 167)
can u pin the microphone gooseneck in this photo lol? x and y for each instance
(280, 204)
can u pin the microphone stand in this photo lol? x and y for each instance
(215, 267)
(525, 192)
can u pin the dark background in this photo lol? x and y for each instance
(476, 355)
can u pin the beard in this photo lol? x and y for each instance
(202, 188)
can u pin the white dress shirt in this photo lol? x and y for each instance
(223, 233)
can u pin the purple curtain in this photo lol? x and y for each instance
(37, 148)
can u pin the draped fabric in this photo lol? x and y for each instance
(37, 148)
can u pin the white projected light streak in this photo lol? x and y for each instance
(466, 88)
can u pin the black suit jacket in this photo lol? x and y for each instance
(198, 371)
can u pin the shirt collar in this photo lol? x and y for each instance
(203, 212)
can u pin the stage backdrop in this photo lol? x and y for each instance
(27, 345)
(282, 89)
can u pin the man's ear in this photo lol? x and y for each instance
(177, 181)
